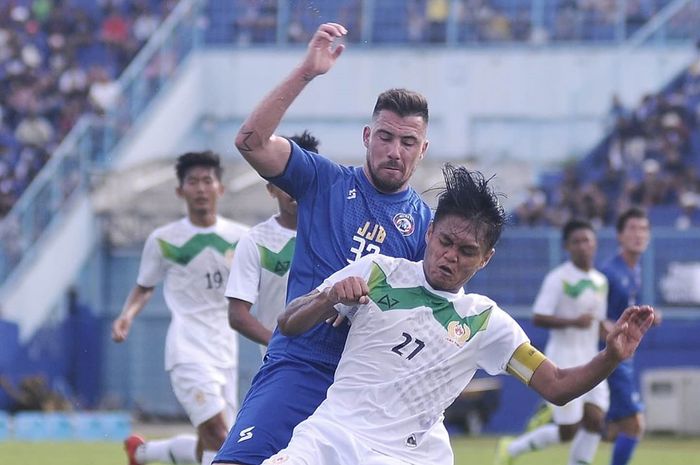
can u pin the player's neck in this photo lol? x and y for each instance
(630, 258)
(287, 221)
(204, 220)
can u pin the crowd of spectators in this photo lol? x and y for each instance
(59, 59)
(428, 21)
(651, 158)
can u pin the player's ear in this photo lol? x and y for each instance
(487, 258)
(424, 149)
(429, 232)
(365, 135)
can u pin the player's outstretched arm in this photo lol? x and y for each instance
(268, 154)
(561, 385)
(305, 312)
(138, 298)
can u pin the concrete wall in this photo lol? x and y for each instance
(538, 104)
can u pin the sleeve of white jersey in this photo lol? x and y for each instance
(244, 277)
(503, 336)
(152, 268)
(362, 268)
(548, 296)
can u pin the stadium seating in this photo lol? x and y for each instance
(650, 157)
(53, 61)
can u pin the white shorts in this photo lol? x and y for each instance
(204, 391)
(319, 442)
(572, 412)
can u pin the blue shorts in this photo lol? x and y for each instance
(625, 400)
(283, 393)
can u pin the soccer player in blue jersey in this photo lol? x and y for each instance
(625, 420)
(343, 214)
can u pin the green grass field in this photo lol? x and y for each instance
(468, 451)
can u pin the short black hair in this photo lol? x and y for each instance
(403, 102)
(306, 141)
(574, 225)
(468, 194)
(631, 212)
(189, 160)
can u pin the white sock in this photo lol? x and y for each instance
(177, 450)
(584, 447)
(208, 457)
(539, 438)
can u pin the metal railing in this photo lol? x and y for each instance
(447, 22)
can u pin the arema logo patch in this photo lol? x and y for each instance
(404, 223)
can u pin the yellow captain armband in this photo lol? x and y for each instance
(525, 360)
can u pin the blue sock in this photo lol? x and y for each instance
(623, 449)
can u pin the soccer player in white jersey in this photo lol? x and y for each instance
(192, 256)
(259, 273)
(572, 303)
(417, 338)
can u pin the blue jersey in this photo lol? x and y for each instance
(625, 286)
(341, 217)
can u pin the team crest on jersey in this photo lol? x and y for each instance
(458, 333)
(404, 223)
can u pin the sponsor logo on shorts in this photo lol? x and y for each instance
(246, 434)
(404, 223)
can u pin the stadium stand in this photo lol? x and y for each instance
(651, 157)
(58, 61)
(403, 22)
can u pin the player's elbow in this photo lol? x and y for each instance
(236, 315)
(559, 399)
(248, 142)
(284, 326)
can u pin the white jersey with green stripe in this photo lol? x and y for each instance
(194, 264)
(569, 292)
(410, 352)
(260, 269)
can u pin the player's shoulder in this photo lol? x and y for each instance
(229, 226)
(612, 267)
(479, 304)
(172, 228)
(388, 262)
(599, 275)
(561, 271)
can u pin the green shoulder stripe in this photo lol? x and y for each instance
(277, 262)
(190, 249)
(575, 290)
(390, 298)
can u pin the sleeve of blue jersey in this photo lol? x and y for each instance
(304, 172)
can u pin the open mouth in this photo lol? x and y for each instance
(445, 270)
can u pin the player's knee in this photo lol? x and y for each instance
(593, 419)
(567, 432)
(593, 423)
(633, 425)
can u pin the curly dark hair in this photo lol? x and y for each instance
(468, 194)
